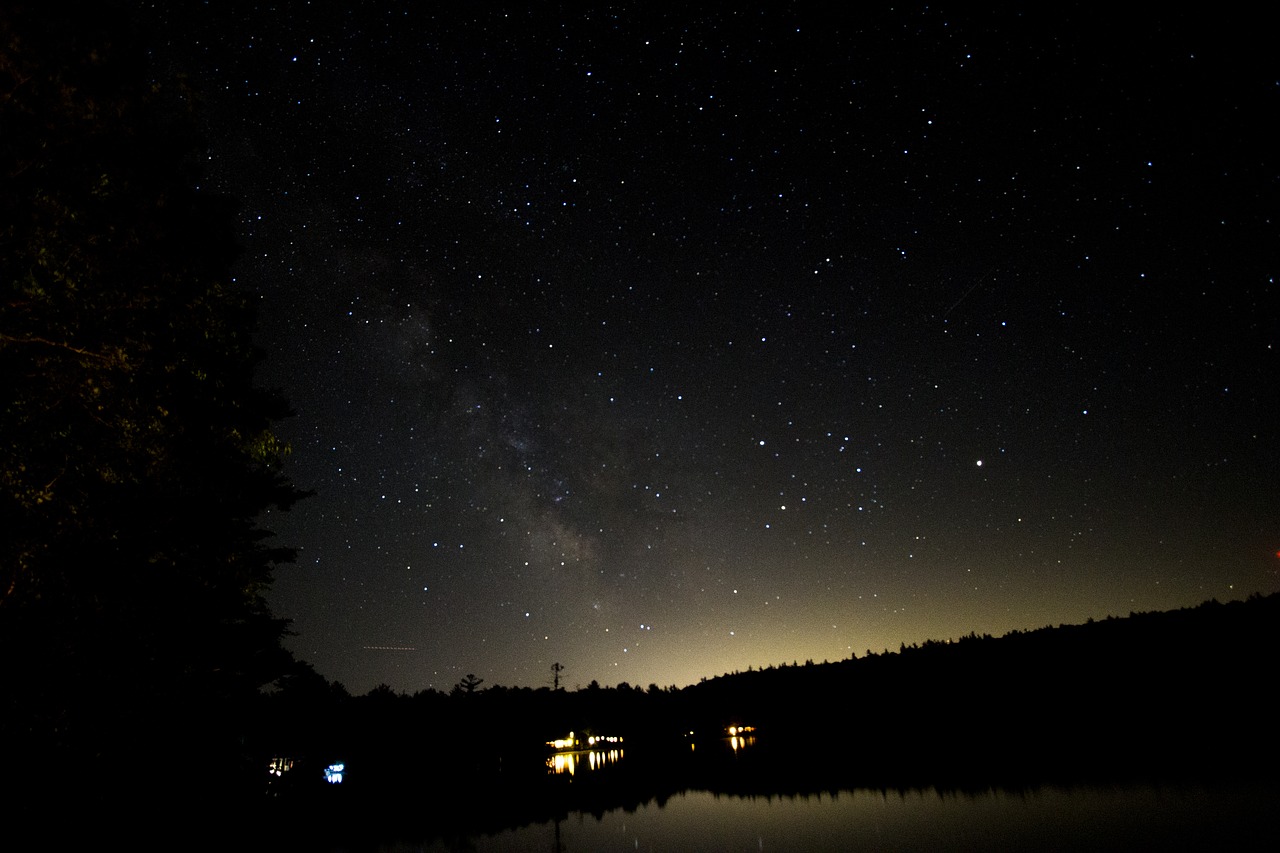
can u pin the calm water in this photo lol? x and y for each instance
(1243, 817)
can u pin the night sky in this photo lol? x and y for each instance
(665, 344)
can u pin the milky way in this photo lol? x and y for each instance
(662, 345)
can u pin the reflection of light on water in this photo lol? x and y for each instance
(571, 762)
(280, 766)
(740, 737)
(1234, 816)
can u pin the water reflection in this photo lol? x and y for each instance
(583, 752)
(741, 737)
(571, 762)
(1139, 817)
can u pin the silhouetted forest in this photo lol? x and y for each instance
(1154, 696)
(136, 454)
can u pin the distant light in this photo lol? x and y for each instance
(979, 463)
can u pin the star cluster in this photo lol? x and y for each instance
(667, 344)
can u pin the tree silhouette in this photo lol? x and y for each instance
(136, 456)
(468, 684)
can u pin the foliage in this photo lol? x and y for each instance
(467, 685)
(136, 456)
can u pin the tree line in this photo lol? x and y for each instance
(1161, 694)
(136, 453)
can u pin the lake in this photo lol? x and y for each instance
(737, 794)
(1142, 817)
